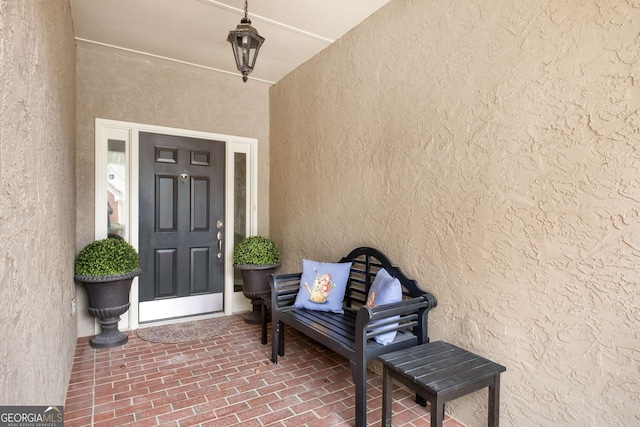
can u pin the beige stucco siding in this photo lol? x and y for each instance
(491, 150)
(37, 201)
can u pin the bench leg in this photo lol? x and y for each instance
(263, 312)
(387, 399)
(275, 339)
(359, 375)
(494, 403)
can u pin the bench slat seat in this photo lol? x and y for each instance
(351, 334)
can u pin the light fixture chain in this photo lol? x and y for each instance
(246, 9)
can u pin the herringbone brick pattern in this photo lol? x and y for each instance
(225, 381)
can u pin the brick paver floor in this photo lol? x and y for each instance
(224, 381)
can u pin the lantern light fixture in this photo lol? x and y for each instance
(245, 42)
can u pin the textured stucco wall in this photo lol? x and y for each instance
(111, 85)
(491, 148)
(37, 201)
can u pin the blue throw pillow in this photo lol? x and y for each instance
(322, 285)
(384, 290)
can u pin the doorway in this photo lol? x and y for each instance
(193, 263)
(181, 226)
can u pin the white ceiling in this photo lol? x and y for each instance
(195, 31)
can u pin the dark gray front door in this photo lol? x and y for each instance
(181, 226)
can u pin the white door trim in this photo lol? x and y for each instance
(112, 129)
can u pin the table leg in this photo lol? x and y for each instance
(387, 390)
(437, 412)
(494, 403)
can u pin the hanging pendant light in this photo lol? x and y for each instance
(245, 42)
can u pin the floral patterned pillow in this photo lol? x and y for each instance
(385, 289)
(322, 285)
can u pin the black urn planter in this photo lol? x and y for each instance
(108, 300)
(255, 278)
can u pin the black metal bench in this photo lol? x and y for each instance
(351, 334)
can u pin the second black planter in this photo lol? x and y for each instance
(255, 286)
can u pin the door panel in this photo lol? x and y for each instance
(181, 199)
(200, 265)
(165, 273)
(166, 200)
(200, 220)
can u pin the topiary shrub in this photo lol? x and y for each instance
(256, 250)
(107, 257)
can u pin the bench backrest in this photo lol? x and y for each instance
(366, 262)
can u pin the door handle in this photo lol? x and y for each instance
(219, 236)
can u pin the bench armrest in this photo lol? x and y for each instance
(409, 314)
(284, 289)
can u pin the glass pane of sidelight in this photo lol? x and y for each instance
(117, 188)
(239, 208)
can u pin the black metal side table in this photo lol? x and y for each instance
(440, 372)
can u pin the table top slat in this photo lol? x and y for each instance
(435, 366)
(441, 367)
(462, 379)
